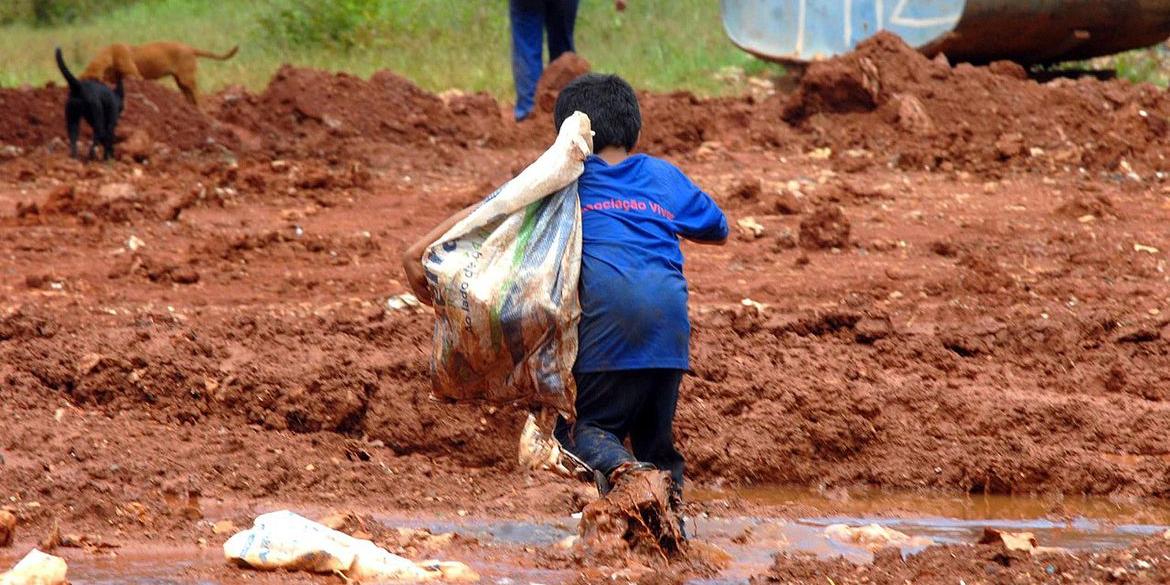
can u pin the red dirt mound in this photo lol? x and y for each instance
(979, 564)
(160, 112)
(556, 76)
(680, 122)
(168, 119)
(33, 116)
(301, 103)
(887, 98)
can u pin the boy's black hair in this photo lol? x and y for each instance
(610, 103)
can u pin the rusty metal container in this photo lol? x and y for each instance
(1026, 31)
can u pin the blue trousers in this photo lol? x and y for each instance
(611, 406)
(530, 19)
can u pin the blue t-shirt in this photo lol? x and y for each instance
(633, 293)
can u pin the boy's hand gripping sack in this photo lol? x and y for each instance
(505, 285)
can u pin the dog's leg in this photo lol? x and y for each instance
(97, 122)
(187, 84)
(108, 136)
(73, 125)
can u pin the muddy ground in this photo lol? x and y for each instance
(961, 287)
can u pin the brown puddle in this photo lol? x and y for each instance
(1075, 523)
(797, 525)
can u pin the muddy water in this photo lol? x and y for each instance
(791, 520)
(145, 565)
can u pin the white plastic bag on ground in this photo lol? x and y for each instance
(376, 565)
(284, 540)
(874, 537)
(37, 568)
(505, 285)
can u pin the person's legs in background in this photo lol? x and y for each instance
(560, 19)
(527, 19)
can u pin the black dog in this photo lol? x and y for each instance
(98, 104)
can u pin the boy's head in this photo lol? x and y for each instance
(610, 103)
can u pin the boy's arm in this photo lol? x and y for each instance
(699, 218)
(416, 277)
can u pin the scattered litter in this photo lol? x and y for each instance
(449, 95)
(1128, 170)
(759, 307)
(539, 451)
(708, 149)
(403, 302)
(37, 568)
(134, 243)
(874, 537)
(750, 228)
(1021, 541)
(9, 151)
(284, 540)
(223, 527)
(821, 153)
(424, 538)
(1146, 249)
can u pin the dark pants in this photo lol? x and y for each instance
(530, 18)
(611, 406)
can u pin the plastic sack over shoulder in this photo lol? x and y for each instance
(505, 285)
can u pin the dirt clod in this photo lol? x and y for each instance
(826, 227)
(7, 528)
(786, 203)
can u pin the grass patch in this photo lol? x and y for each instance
(50, 12)
(1145, 65)
(439, 44)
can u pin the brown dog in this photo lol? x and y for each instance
(152, 61)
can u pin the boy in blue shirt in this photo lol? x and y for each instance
(634, 333)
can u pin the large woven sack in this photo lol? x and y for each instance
(505, 280)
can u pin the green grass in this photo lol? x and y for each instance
(1145, 65)
(439, 44)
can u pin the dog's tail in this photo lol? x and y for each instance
(74, 85)
(223, 57)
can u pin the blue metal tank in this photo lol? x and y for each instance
(1027, 31)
